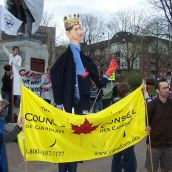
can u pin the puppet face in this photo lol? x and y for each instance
(75, 35)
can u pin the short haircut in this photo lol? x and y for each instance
(123, 89)
(114, 91)
(14, 47)
(157, 85)
(7, 67)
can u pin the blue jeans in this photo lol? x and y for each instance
(125, 159)
(98, 106)
(67, 167)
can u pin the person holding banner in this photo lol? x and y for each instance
(7, 137)
(160, 121)
(70, 76)
(125, 159)
(7, 91)
(46, 86)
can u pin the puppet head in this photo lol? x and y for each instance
(73, 29)
(70, 21)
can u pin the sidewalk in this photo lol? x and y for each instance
(16, 162)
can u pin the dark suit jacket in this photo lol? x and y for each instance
(63, 78)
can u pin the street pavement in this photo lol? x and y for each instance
(17, 164)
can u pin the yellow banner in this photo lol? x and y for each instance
(53, 135)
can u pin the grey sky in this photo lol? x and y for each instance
(99, 7)
(60, 8)
(104, 8)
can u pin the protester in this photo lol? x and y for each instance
(125, 159)
(14, 58)
(160, 120)
(46, 86)
(114, 94)
(6, 91)
(98, 106)
(71, 75)
(96, 96)
(9, 136)
(15, 61)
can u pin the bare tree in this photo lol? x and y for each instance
(159, 45)
(128, 21)
(165, 6)
(47, 19)
(128, 29)
(50, 27)
(93, 31)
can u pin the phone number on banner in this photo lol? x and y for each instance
(45, 152)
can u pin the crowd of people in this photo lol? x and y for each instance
(68, 81)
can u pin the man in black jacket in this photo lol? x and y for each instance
(71, 75)
(160, 121)
(7, 91)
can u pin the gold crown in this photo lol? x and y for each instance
(71, 21)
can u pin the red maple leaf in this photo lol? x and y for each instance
(84, 128)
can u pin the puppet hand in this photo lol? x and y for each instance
(112, 67)
(60, 106)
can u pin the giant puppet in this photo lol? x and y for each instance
(28, 11)
(71, 75)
